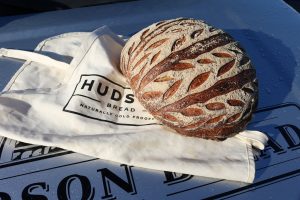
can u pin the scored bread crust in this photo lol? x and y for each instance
(192, 77)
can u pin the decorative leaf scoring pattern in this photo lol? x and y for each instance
(215, 119)
(151, 95)
(198, 80)
(188, 23)
(215, 106)
(233, 118)
(144, 33)
(153, 34)
(220, 88)
(172, 90)
(176, 30)
(141, 60)
(182, 66)
(205, 61)
(176, 61)
(161, 22)
(130, 48)
(192, 112)
(195, 125)
(230, 84)
(235, 102)
(178, 43)
(157, 44)
(235, 51)
(190, 52)
(169, 117)
(196, 33)
(222, 55)
(164, 79)
(122, 63)
(135, 79)
(248, 90)
(225, 68)
(154, 58)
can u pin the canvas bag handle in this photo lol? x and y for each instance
(256, 139)
(32, 56)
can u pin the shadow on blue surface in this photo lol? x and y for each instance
(274, 62)
(7, 19)
(275, 66)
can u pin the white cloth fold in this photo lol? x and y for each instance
(88, 108)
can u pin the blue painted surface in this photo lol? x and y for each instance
(268, 30)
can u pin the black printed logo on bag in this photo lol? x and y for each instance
(100, 98)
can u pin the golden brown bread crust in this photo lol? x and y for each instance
(192, 77)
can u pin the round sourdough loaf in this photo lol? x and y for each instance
(194, 78)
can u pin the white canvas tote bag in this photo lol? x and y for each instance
(46, 66)
(89, 108)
